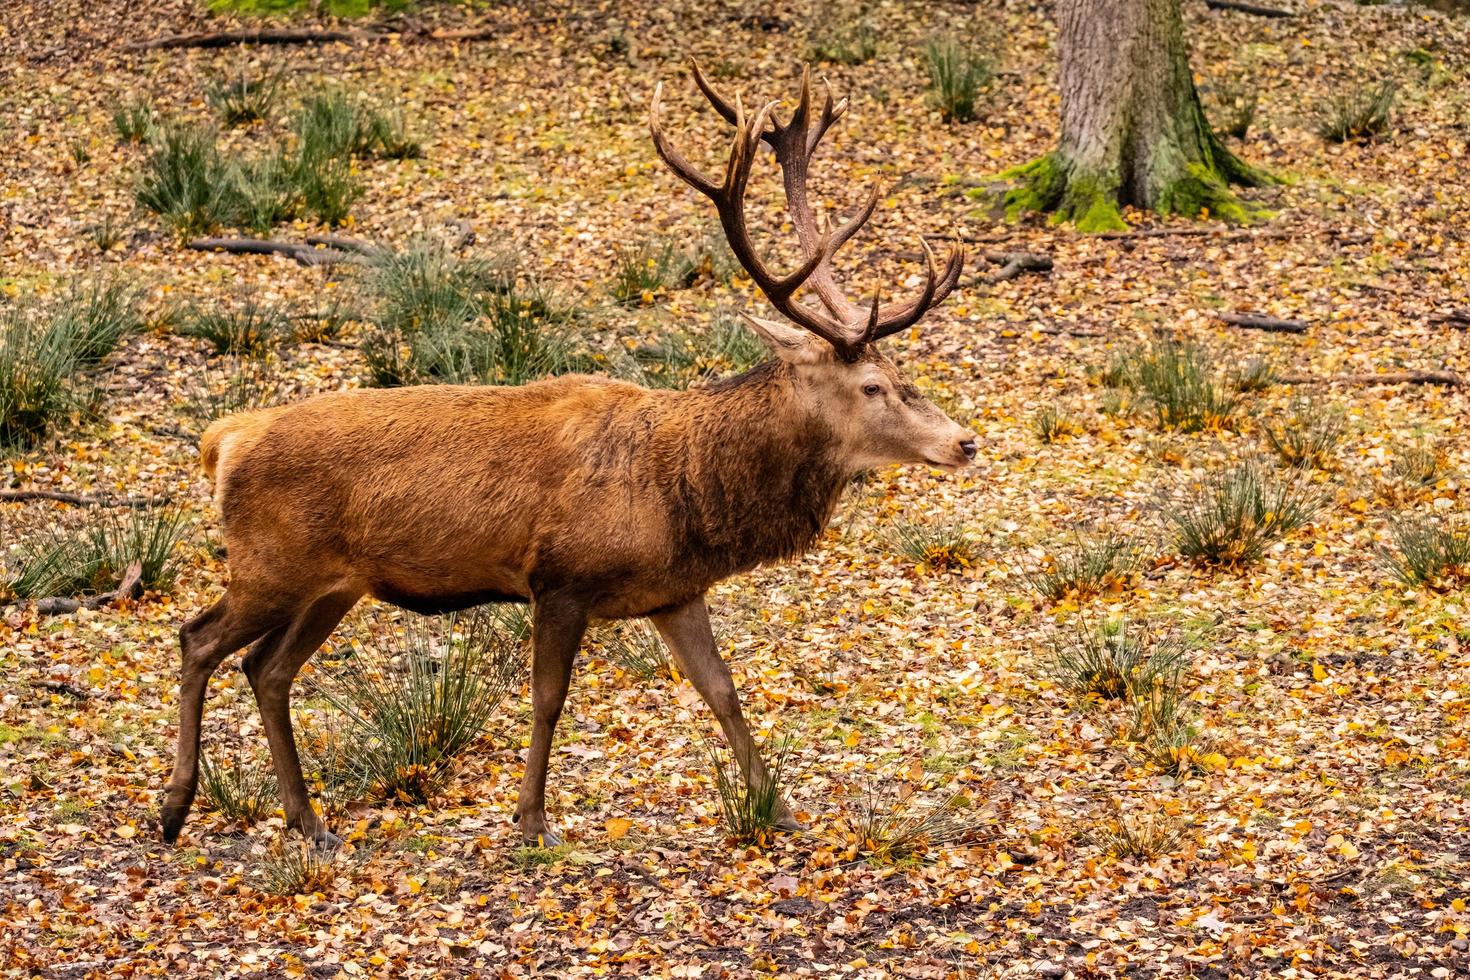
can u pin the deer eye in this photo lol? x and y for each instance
(872, 390)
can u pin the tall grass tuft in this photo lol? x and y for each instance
(640, 651)
(1234, 515)
(1307, 437)
(133, 120)
(841, 37)
(891, 824)
(1118, 662)
(241, 98)
(187, 181)
(418, 700)
(1362, 115)
(643, 271)
(297, 867)
(239, 384)
(750, 813)
(92, 559)
(1087, 566)
(250, 328)
(1168, 734)
(1430, 554)
(957, 73)
(934, 548)
(1175, 378)
(238, 789)
(1419, 465)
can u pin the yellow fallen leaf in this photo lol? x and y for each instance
(618, 827)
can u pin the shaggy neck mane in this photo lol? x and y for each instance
(759, 477)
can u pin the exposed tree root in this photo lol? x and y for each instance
(79, 500)
(303, 253)
(1257, 321)
(1248, 8)
(1447, 378)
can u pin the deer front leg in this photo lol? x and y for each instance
(557, 626)
(686, 632)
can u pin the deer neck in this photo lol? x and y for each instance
(761, 475)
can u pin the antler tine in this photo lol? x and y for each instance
(681, 167)
(936, 288)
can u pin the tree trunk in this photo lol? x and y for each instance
(1133, 130)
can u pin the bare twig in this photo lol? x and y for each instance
(81, 501)
(1014, 265)
(1258, 321)
(1459, 319)
(1248, 8)
(62, 687)
(1447, 378)
(131, 587)
(303, 253)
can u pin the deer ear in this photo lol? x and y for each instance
(791, 344)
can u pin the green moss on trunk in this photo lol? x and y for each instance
(1050, 185)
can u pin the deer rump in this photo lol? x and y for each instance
(442, 497)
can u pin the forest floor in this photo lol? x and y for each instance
(1321, 825)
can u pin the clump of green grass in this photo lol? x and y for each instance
(328, 188)
(681, 358)
(1236, 101)
(106, 234)
(1119, 661)
(240, 789)
(1419, 465)
(268, 191)
(957, 73)
(297, 867)
(92, 559)
(241, 98)
(418, 700)
(640, 651)
(1307, 437)
(334, 126)
(642, 272)
(239, 384)
(1362, 115)
(1051, 425)
(93, 315)
(842, 37)
(1140, 838)
(891, 824)
(249, 328)
(445, 318)
(1234, 515)
(1175, 377)
(933, 547)
(750, 813)
(1430, 554)
(1255, 375)
(133, 120)
(1167, 733)
(1087, 566)
(187, 181)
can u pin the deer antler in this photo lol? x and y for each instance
(847, 326)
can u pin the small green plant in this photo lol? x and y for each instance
(133, 120)
(328, 188)
(1140, 838)
(890, 824)
(639, 650)
(1430, 554)
(1419, 465)
(1307, 437)
(842, 37)
(1087, 566)
(268, 191)
(1236, 101)
(1167, 734)
(933, 548)
(388, 136)
(36, 386)
(249, 328)
(106, 234)
(240, 384)
(1255, 375)
(242, 98)
(334, 126)
(187, 181)
(1119, 661)
(94, 315)
(957, 73)
(750, 813)
(1234, 515)
(640, 273)
(1362, 115)
(239, 789)
(418, 700)
(1052, 425)
(297, 867)
(1174, 376)
(93, 559)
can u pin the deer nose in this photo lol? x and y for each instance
(969, 448)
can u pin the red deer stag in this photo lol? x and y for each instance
(587, 497)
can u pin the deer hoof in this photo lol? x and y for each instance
(789, 824)
(545, 837)
(324, 840)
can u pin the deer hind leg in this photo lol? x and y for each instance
(556, 632)
(271, 666)
(686, 632)
(204, 641)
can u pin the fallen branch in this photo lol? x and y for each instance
(1459, 319)
(1014, 265)
(62, 687)
(303, 253)
(341, 243)
(1257, 321)
(131, 587)
(80, 500)
(1223, 234)
(1248, 8)
(224, 39)
(1447, 378)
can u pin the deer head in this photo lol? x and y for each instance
(876, 415)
